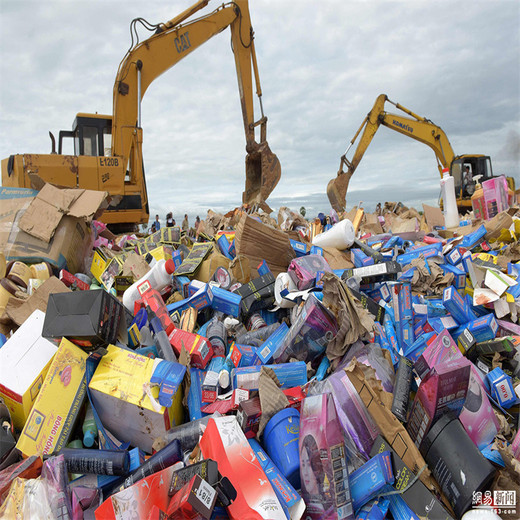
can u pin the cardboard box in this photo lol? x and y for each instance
(116, 389)
(90, 319)
(199, 348)
(70, 234)
(56, 409)
(224, 442)
(24, 361)
(443, 389)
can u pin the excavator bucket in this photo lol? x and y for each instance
(337, 191)
(263, 171)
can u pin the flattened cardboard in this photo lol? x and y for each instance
(433, 216)
(47, 209)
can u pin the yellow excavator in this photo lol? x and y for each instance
(422, 130)
(108, 149)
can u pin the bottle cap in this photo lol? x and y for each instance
(169, 266)
(88, 439)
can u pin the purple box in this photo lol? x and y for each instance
(442, 349)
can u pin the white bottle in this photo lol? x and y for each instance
(159, 277)
(449, 200)
(340, 236)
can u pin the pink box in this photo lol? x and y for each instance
(323, 463)
(495, 195)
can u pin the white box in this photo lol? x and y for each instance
(24, 361)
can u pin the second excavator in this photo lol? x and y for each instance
(421, 129)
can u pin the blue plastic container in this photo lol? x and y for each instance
(281, 443)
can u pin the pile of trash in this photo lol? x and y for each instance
(363, 365)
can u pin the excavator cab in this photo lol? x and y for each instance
(91, 135)
(478, 165)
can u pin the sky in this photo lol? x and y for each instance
(322, 65)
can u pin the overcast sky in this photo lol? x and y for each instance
(322, 64)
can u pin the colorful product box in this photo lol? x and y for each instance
(484, 328)
(454, 257)
(57, 407)
(359, 258)
(456, 305)
(244, 355)
(473, 239)
(223, 245)
(24, 361)
(414, 351)
(501, 388)
(195, 394)
(316, 250)
(309, 334)
(374, 273)
(442, 389)
(440, 350)
(459, 276)
(116, 389)
(268, 348)
(224, 442)
(195, 500)
(226, 301)
(299, 247)
(150, 492)
(288, 374)
(477, 416)
(248, 416)
(199, 348)
(429, 251)
(403, 310)
(368, 480)
(323, 461)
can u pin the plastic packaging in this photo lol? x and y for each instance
(159, 277)
(89, 427)
(451, 213)
(340, 236)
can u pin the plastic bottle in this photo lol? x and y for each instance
(159, 277)
(97, 462)
(341, 236)
(451, 213)
(89, 427)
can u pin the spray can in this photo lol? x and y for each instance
(451, 213)
(217, 336)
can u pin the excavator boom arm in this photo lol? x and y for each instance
(175, 40)
(415, 126)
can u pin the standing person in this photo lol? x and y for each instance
(157, 223)
(185, 224)
(197, 222)
(169, 220)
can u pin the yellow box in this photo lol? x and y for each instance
(56, 409)
(119, 389)
(162, 253)
(24, 361)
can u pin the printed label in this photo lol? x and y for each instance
(205, 494)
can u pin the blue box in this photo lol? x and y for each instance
(268, 348)
(501, 386)
(414, 351)
(263, 268)
(299, 247)
(402, 304)
(181, 283)
(399, 509)
(459, 276)
(195, 394)
(225, 301)
(199, 300)
(484, 328)
(443, 322)
(289, 375)
(428, 251)
(244, 356)
(232, 250)
(223, 245)
(385, 343)
(454, 257)
(474, 239)
(456, 305)
(177, 258)
(360, 259)
(368, 480)
(315, 250)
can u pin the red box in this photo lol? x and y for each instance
(248, 416)
(198, 347)
(73, 281)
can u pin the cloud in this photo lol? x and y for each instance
(321, 66)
